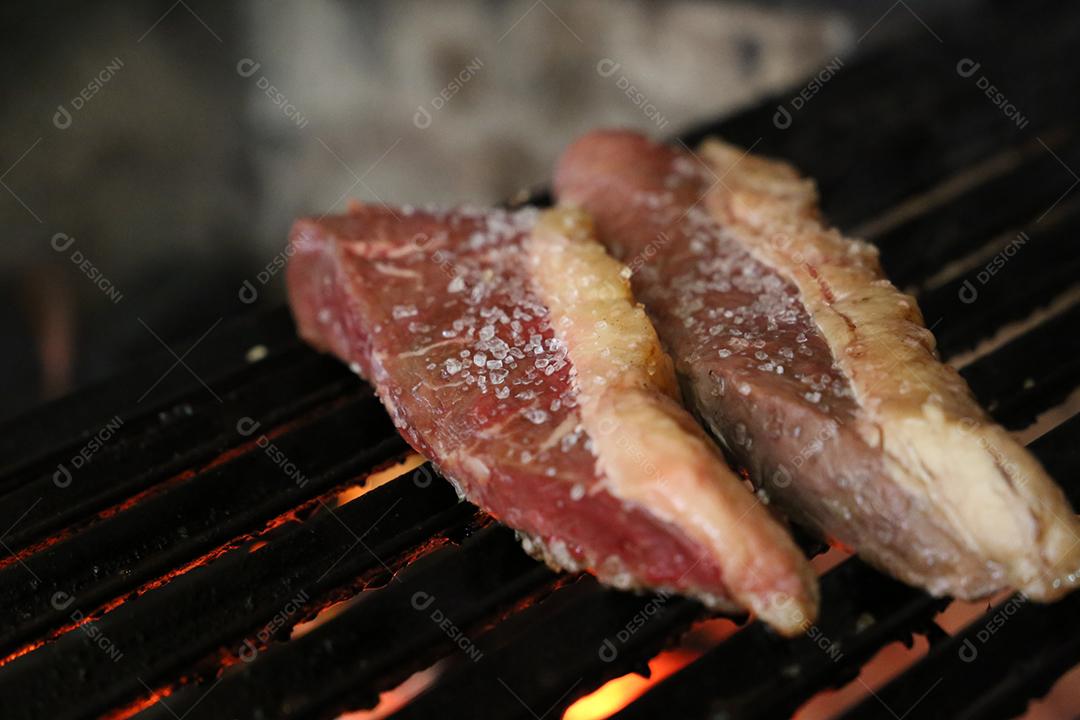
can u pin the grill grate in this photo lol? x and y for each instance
(196, 542)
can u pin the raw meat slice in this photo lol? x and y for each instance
(816, 374)
(486, 343)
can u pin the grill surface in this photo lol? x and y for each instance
(196, 543)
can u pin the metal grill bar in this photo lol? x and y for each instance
(914, 250)
(138, 457)
(861, 611)
(165, 632)
(33, 443)
(874, 139)
(1005, 384)
(1016, 651)
(573, 644)
(190, 519)
(377, 643)
(1049, 256)
(901, 120)
(998, 682)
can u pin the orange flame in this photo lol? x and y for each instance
(380, 477)
(393, 700)
(620, 692)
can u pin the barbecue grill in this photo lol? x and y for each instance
(181, 542)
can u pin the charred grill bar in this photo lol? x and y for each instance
(196, 548)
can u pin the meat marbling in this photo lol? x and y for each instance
(507, 348)
(816, 374)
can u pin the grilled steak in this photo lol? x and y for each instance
(509, 350)
(816, 374)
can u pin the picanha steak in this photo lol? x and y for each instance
(816, 374)
(507, 349)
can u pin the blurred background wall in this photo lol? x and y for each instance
(155, 153)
